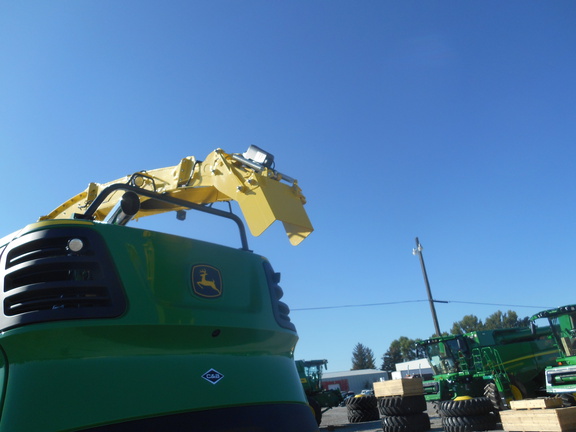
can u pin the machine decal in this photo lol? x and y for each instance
(206, 281)
(212, 376)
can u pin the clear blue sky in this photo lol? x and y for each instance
(448, 120)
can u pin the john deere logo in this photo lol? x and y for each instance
(206, 281)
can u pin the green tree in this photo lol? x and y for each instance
(362, 358)
(497, 320)
(390, 358)
(467, 324)
(407, 348)
(505, 320)
(401, 350)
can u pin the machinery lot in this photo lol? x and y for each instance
(336, 419)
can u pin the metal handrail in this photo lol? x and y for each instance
(88, 214)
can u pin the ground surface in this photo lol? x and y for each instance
(336, 419)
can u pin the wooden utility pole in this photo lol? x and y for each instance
(418, 251)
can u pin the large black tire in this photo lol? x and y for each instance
(362, 402)
(465, 407)
(492, 393)
(484, 422)
(401, 405)
(413, 423)
(360, 416)
(362, 409)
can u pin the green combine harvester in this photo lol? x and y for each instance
(320, 399)
(560, 378)
(502, 365)
(109, 328)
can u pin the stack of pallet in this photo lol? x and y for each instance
(399, 387)
(402, 405)
(539, 415)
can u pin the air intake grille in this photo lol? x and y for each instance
(281, 309)
(43, 280)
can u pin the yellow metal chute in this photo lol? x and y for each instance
(263, 194)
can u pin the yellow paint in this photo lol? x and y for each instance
(516, 393)
(545, 353)
(261, 195)
(458, 398)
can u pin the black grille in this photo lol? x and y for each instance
(281, 309)
(43, 280)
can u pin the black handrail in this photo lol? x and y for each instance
(88, 214)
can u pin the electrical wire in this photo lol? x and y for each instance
(417, 301)
(357, 305)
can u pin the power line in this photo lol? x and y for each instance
(357, 305)
(418, 301)
(501, 304)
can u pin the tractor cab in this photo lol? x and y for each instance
(447, 354)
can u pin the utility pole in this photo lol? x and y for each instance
(418, 251)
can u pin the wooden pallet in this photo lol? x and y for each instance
(539, 415)
(400, 387)
(539, 403)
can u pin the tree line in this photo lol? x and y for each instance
(406, 349)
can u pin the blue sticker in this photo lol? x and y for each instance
(212, 376)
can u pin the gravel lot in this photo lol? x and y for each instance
(336, 419)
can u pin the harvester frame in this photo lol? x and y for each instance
(501, 364)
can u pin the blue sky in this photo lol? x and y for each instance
(448, 120)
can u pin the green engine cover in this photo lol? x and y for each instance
(110, 328)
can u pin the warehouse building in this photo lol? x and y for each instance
(358, 380)
(353, 380)
(419, 367)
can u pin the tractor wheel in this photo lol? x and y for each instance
(362, 402)
(484, 422)
(362, 409)
(360, 416)
(316, 409)
(411, 423)
(518, 390)
(401, 405)
(492, 393)
(466, 407)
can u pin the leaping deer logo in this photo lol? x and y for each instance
(207, 281)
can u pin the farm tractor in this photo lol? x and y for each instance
(560, 378)
(108, 328)
(319, 399)
(501, 365)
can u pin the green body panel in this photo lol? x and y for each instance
(561, 377)
(75, 374)
(464, 364)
